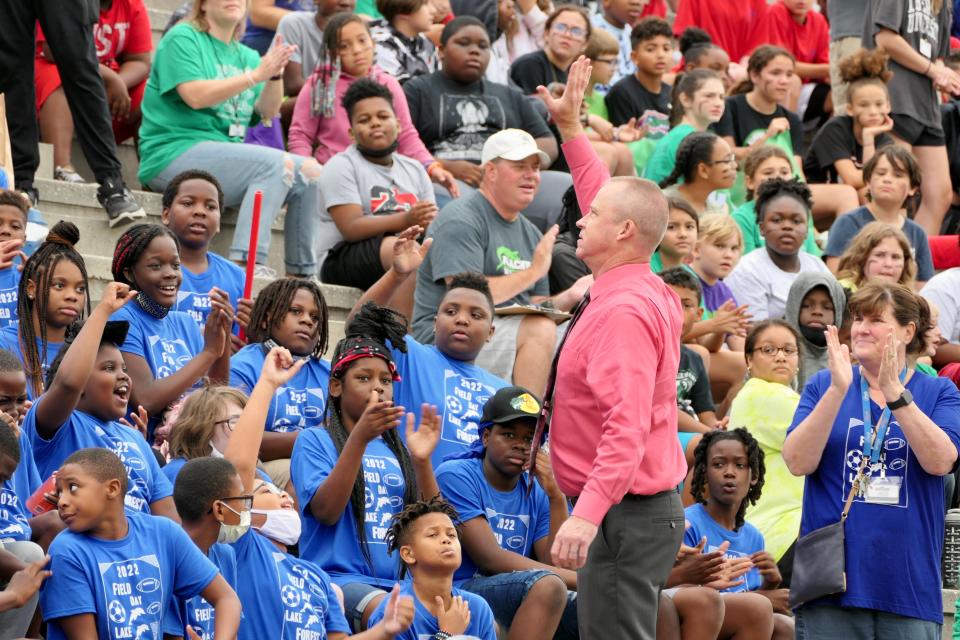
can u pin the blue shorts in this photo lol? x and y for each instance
(505, 592)
(356, 598)
(828, 622)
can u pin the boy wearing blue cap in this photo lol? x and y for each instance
(509, 521)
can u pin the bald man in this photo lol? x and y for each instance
(613, 431)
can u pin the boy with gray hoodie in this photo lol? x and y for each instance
(815, 301)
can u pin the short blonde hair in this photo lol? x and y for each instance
(719, 227)
(601, 42)
(198, 18)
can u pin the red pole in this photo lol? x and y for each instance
(252, 250)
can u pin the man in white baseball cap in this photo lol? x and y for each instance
(485, 232)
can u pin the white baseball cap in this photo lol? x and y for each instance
(512, 144)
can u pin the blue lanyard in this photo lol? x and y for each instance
(873, 446)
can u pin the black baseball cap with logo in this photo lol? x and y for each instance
(511, 403)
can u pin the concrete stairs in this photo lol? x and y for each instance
(77, 203)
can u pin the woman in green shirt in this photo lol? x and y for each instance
(204, 91)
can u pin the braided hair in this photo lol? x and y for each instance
(273, 303)
(396, 535)
(39, 269)
(324, 94)
(367, 334)
(698, 484)
(696, 149)
(131, 246)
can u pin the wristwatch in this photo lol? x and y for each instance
(905, 398)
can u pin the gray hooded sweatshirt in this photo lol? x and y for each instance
(813, 357)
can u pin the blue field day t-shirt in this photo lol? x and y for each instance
(297, 405)
(892, 550)
(518, 518)
(10, 340)
(9, 287)
(146, 485)
(127, 584)
(294, 598)
(173, 467)
(166, 344)
(197, 612)
(14, 517)
(194, 295)
(336, 548)
(425, 623)
(746, 541)
(457, 389)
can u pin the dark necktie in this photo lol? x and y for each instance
(546, 411)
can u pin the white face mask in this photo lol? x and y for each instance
(230, 533)
(282, 525)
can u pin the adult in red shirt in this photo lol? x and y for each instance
(613, 433)
(729, 22)
(123, 43)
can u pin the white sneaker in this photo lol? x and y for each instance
(67, 174)
(263, 271)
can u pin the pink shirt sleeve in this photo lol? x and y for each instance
(410, 143)
(621, 382)
(304, 124)
(588, 171)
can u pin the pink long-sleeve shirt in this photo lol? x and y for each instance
(614, 425)
(331, 135)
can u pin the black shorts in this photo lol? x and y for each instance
(915, 133)
(354, 264)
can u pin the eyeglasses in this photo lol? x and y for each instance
(230, 423)
(246, 502)
(769, 350)
(573, 32)
(609, 61)
(731, 159)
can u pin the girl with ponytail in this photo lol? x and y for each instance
(705, 169)
(355, 473)
(52, 297)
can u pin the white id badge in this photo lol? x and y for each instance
(883, 490)
(237, 131)
(926, 49)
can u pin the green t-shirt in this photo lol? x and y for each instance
(170, 126)
(596, 105)
(664, 158)
(368, 8)
(746, 218)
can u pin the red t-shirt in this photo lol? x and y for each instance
(729, 22)
(654, 8)
(123, 28)
(808, 42)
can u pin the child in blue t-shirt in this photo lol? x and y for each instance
(192, 204)
(354, 474)
(427, 540)
(728, 475)
(215, 512)
(52, 297)
(164, 350)
(88, 390)
(508, 525)
(285, 598)
(443, 373)
(14, 209)
(291, 313)
(116, 572)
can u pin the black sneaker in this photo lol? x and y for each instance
(118, 202)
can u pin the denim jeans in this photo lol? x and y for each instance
(827, 622)
(284, 179)
(505, 592)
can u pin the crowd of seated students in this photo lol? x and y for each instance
(411, 157)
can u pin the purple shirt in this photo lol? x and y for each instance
(714, 295)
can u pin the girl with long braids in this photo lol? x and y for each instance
(705, 170)
(321, 128)
(355, 474)
(290, 313)
(52, 297)
(165, 352)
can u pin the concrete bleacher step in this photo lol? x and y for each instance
(78, 204)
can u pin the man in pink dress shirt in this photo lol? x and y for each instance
(613, 431)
